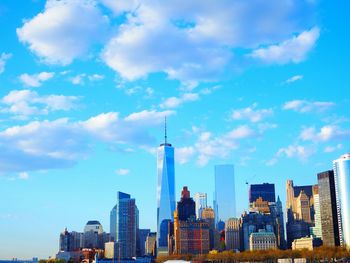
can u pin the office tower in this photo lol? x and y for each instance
(201, 203)
(208, 216)
(259, 205)
(329, 218)
(124, 220)
(232, 234)
(151, 247)
(186, 207)
(224, 195)
(165, 193)
(266, 191)
(262, 240)
(300, 211)
(141, 241)
(191, 236)
(93, 232)
(316, 231)
(341, 169)
(65, 241)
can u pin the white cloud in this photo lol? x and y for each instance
(26, 102)
(208, 146)
(251, 113)
(64, 31)
(174, 102)
(122, 171)
(326, 133)
(293, 50)
(303, 106)
(3, 58)
(23, 176)
(330, 149)
(42, 145)
(36, 80)
(192, 42)
(80, 79)
(294, 79)
(299, 151)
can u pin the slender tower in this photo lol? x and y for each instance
(165, 192)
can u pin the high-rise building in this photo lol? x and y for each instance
(191, 235)
(341, 169)
(300, 211)
(266, 191)
(329, 218)
(151, 247)
(93, 235)
(165, 193)
(124, 224)
(201, 203)
(276, 211)
(232, 234)
(141, 241)
(224, 195)
(208, 216)
(316, 231)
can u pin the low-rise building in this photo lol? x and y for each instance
(262, 240)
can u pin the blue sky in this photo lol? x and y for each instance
(85, 86)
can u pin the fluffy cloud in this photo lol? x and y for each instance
(65, 30)
(303, 106)
(26, 102)
(192, 42)
(326, 133)
(42, 145)
(208, 146)
(3, 58)
(251, 113)
(174, 102)
(299, 151)
(294, 79)
(292, 50)
(35, 80)
(81, 78)
(23, 176)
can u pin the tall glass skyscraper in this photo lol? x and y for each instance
(124, 225)
(341, 168)
(165, 193)
(224, 195)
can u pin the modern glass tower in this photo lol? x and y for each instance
(201, 203)
(165, 193)
(341, 168)
(124, 225)
(224, 195)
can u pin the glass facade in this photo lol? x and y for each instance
(165, 193)
(329, 218)
(224, 195)
(342, 179)
(266, 191)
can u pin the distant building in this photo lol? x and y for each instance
(165, 193)
(109, 251)
(260, 205)
(124, 224)
(306, 243)
(233, 234)
(201, 203)
(266, 191)
(208, 216)
(341, 169)
(262, 240)
(300, 211)
(316, 231)
(94, 237)
(191, 236)
(151, 248)
(329, 217)
(141, 241)
(224, 195)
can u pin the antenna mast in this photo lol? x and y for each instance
(165, 131)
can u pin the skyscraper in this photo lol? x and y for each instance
(316, 231)
(201, 203)
(165, 193)
(233, 234)
(124, 224)
(224, 195)
(341, 168)
(329, 217)
(266, 191)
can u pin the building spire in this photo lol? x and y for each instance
(165, 132)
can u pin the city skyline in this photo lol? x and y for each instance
(80, 122)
